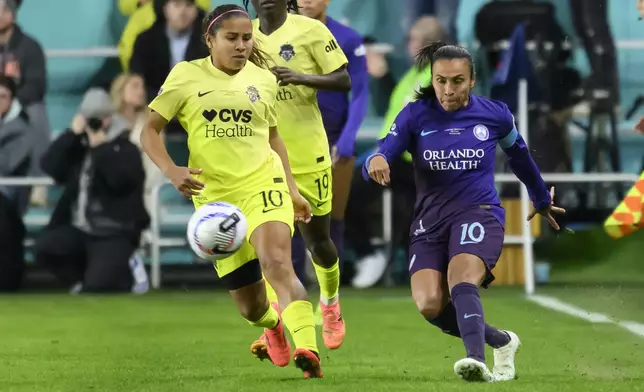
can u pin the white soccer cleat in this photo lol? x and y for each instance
(369, 270)
(471, 370)
(504, 359)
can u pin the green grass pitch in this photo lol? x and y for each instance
(195, 341)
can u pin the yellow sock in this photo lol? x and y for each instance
(298, 319)
(269, 319)
(329, 280)
(270, 292)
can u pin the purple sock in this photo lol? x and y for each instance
(469, 315)
(337, 236)
(447, 323)
(298, 254)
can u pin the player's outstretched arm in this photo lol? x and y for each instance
(181, 177)
(523, 166)
(357, 106)
(301, 206)
(390, 147)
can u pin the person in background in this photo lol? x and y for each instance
(445, 10)
(130, 102)
(173, 37)
(22, 59)
(142, 16)
(371, 266)
(342, 115)
(16, 145)
(128, 7)
(96, 225)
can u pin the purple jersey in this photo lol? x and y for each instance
(342, 113)
(454, 156)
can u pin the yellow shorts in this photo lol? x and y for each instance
(317, 189)
(270, 205)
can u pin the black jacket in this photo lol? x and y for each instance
(117, 180)
(33, 74)
(151, 54)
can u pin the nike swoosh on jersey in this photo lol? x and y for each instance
(200, 94)
(321, 203)
(425, 133)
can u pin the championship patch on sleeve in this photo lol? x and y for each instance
(392, 130)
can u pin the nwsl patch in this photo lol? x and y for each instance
(287, 52)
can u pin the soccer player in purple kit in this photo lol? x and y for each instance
(458, 230)
(342, 115)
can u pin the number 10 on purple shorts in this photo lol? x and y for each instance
(475, 231)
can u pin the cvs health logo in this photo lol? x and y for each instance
(228, 123)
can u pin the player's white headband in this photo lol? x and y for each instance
(227, 12)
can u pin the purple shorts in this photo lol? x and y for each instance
(476, 231)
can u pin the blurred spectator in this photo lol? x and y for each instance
(95, 228)
(174, 37)
(23, 59)
(129, 100)
(127, 7)
(16, 145)
(446, 11)
(143, 15)
(371, 265)
(426, 29)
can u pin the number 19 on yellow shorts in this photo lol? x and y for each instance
(317, 189)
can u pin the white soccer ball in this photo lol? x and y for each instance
(216, 230)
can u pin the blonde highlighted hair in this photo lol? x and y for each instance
(117, 89)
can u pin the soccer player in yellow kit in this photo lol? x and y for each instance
(226, 103)
(307, 58)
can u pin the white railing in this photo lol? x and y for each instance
(526, 239)
(158, 218)
(110, 51)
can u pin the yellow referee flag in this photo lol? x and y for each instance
(627, 217)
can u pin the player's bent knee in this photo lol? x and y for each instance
(277, 265)
(466, 268)
(430, 305)
(324, 250)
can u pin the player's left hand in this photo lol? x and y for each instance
(286, 76)
(547, 212)
(302, 209)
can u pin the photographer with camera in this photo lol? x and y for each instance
(97, 223)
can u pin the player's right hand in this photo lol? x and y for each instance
(181, 178)
(379, 170)
(547, 212)
(302, 208)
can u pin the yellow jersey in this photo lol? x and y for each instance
(227, 119)
(306, 46)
